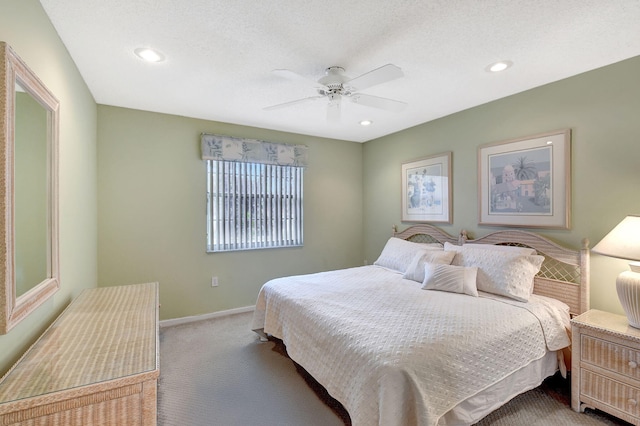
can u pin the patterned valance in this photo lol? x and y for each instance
(220, 147)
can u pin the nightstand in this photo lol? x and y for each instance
(606, 365)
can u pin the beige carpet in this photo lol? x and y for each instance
(215, 372)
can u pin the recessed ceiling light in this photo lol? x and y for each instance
(149, 55)
(499, 66)
(366, 122)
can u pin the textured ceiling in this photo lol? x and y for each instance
(220, 54)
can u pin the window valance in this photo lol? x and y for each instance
(221, 147)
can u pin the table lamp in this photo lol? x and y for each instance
(624, 242)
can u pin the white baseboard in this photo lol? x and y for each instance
(186, 320)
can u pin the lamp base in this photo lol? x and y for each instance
(628, 287)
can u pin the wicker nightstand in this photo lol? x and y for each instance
(606, 365)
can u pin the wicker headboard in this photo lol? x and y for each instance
(564, 274)
(426, 234)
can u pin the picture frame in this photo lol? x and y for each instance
(526, 182)
(427, 189)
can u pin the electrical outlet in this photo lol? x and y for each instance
(214, 281)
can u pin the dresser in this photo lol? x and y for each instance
(606, 365)
(97, 364)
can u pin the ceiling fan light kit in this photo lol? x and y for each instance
(336, 86)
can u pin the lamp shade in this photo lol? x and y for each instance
(623, 241)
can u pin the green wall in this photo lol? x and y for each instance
(152, 227)
(601, 108)
(132, 184)
(26, 27)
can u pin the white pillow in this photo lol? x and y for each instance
(512, 249)
(502, 272)
(454, 279)
(457, 260)
(415, 270)
(433, 246)
(397, 254)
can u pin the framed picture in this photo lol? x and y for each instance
(426, 189)
(526, 182)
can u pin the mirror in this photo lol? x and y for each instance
(29, 190)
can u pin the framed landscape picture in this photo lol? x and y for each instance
(526, 182)
(426, 189)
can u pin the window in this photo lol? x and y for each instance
(254, 193)
(253, 205)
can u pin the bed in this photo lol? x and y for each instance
(440, 330)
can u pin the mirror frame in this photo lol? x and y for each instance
(14, 71)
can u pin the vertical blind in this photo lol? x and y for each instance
(252, 205)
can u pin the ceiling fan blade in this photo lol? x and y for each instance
(290, 75)
(378, 102)
(333, 109)
(377, 76)
(291, 103)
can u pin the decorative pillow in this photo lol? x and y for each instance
(454, 279)
(397, 254)
(502, 272)
(415, 270)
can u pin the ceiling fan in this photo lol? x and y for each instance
(336, 86)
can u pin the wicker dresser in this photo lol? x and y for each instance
(97, 364)
(606, 365)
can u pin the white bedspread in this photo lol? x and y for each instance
(394, 354)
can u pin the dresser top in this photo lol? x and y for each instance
(104, 334)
